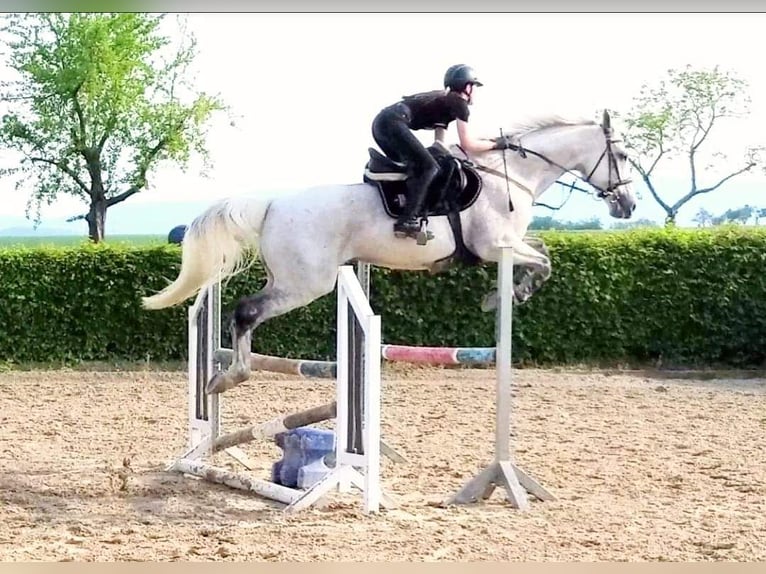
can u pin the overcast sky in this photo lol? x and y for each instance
(305, 87)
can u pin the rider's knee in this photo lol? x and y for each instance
(430, 170)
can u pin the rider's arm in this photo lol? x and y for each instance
(469, 143)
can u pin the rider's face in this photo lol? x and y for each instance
(469, 92)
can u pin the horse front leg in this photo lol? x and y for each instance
(530, 279)
(532, 269)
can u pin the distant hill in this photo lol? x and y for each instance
(124, 219)
(41, 231)
(152, 218)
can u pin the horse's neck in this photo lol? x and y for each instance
(563, 145)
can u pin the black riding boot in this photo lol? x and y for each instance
(408, 223)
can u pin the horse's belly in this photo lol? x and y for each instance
(331, 225)
(378, 245)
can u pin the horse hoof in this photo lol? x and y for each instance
(218, 384)
(521, 296)
(489, 303)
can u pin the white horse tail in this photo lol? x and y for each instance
(215, 246)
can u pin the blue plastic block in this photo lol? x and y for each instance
(302, 463)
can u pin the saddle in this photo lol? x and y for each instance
(455, 188)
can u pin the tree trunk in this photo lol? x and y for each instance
(670, 218)
(96, 219)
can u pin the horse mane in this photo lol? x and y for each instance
(536, 123)
(541, 122)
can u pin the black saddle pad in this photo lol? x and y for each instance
(455, 188)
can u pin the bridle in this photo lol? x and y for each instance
(608, 152)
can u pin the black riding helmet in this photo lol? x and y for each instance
(458, 76)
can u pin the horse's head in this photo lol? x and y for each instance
(549, 146)
(609, 174)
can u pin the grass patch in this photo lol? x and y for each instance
(75, 240)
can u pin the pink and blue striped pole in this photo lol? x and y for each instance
(439, 355)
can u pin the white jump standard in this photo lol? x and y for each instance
(356, 408)
(502, 471)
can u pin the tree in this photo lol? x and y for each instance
(703, 218)
(740, 215)
(675, 118)
(540, 223)
(634, 224)
(100, 101)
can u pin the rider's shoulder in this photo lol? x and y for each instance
(458, 106)
(426, 95)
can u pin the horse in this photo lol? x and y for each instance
(480, 203)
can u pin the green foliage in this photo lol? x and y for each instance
(680, 297)
(548, 222)
(742, 215)
(100, 100)
(634, 223)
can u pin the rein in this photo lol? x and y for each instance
(522, 151)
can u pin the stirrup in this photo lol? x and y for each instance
(421, 234)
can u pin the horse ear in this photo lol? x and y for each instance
(607, 121)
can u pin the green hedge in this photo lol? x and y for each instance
(687, 297)
(690, 297)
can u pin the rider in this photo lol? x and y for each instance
(427, 110)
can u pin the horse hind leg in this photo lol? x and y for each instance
(249, 313)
